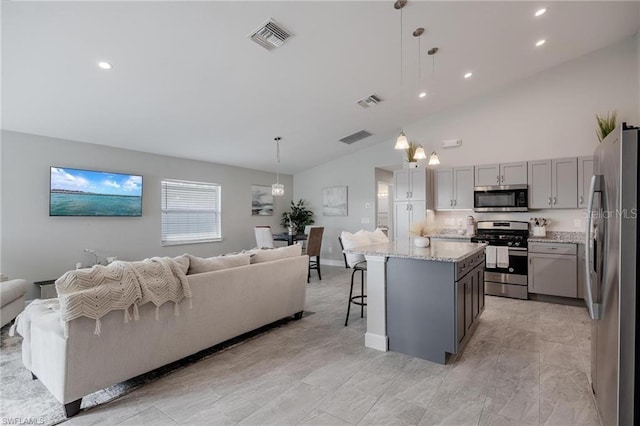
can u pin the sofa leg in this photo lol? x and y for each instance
(298, 315)
(34, 377)
(72, 408)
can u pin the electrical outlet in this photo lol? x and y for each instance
(367, 205)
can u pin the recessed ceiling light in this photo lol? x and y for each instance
(468, 75)
(104, 65)
(422, 95)
(540, 42)
(541, 12)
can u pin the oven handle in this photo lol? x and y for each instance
(518, 253)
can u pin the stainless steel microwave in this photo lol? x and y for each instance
(502, 198)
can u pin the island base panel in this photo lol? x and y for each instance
(421, 308)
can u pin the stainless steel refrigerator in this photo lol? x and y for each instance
(612, 276)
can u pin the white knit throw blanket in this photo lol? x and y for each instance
(95, 292)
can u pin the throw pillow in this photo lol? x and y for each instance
(198, 265)
(350, 241)
(378, 236)
(183, 261)
(278, 253)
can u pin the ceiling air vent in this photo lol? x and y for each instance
(355, 137)
(369, 101)
(270, 35)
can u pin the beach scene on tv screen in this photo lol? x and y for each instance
(92, 193)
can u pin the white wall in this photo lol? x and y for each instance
(549, 115)
(37, 247)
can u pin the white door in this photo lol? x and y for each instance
(402, 184)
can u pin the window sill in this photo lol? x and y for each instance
(187, 242)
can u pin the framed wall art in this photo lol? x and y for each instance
(334, 201)
(261, 200)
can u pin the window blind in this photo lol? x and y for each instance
(190, 212)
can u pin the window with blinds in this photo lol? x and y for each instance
(190, 212)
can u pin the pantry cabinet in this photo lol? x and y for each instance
(410, 184)
(405, 214)
(454, 188)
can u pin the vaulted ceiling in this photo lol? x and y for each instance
(188, 82)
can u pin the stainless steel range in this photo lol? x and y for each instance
(506, 257)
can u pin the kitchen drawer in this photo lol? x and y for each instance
(553, 248)
(465, 266)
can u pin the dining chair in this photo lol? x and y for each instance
(314, 244)
(264, 239)
(360, 298)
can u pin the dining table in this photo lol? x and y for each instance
(289, 238)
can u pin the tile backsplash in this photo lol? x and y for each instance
(568, 220)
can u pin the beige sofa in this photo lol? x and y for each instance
(11, 299)
(226, 304)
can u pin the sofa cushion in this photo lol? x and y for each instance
(277, 253)
(198, 265)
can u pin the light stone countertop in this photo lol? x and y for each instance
(560, 237)
(439, 251)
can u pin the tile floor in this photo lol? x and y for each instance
(526, 364)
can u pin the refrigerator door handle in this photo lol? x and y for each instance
(594, 308)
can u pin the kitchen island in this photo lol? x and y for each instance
(423, 302)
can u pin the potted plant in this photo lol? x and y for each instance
(606, 124)
(297, 218)
(410, 152)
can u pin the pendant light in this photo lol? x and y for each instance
(433, 158)
(421, 92)
(277, 189)
(420, 154)
(401, 141)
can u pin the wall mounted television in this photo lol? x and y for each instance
(76, 192)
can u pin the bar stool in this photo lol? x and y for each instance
(360, 298)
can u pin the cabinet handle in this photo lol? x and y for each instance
(581, 200)
(530, 261)
(555, 200)
(549, 201)
(502, 178)
(498, 179)
(451, 202)
(410, 194)
(455, 202)
(407, 194)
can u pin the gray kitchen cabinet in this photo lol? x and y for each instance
(553, 269)
(454, 188)
(585, 171)
(487, 174)
(553, 183)
(405, 214)
(501, 174)
(469, 301)
(411, 184)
